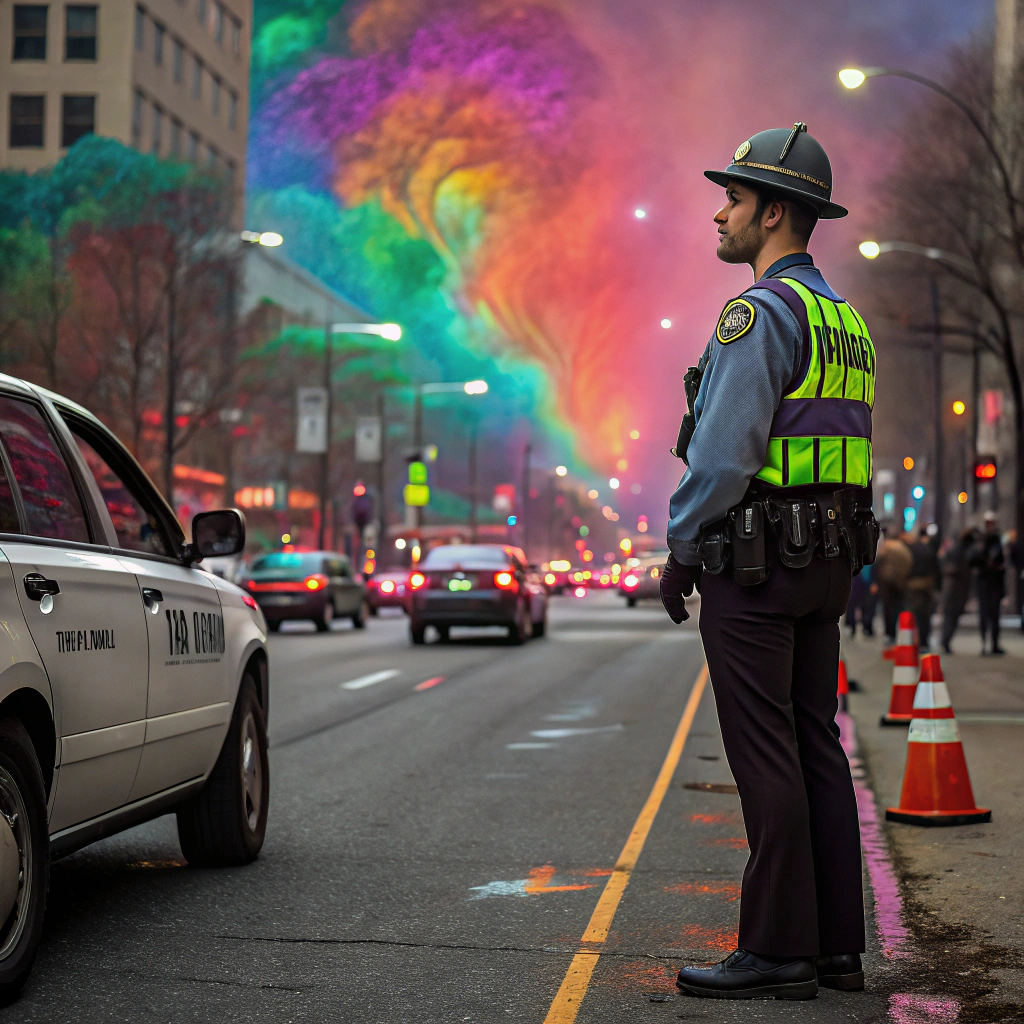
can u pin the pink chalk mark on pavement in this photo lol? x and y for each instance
(910, 1009)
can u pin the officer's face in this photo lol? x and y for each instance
(741, 235)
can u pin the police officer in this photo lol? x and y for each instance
(770, 522)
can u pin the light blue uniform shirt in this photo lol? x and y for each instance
(742, 386)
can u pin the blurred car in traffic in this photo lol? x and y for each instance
(476, 585)
(317, 585)
(556, 575)
(642, 582)
(387, 589)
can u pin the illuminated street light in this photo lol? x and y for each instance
(475, 387)
(271, 239)
(666, 323)
(634, 435)
(852, 78)
(908, 463)
(400, 543)
(918, 492)
(592, 494)
(614, 483)
(390, 332)
(959, 408)
(962, 497)
(870, 250)
(561, 470)
(639, 213)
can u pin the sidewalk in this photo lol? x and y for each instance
(963, 888)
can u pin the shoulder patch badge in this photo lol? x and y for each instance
(737, 318)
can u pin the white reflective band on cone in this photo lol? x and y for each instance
(905, 638)
(905, 675)
(933, 730)
(932, 695)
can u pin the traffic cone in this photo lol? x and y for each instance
(904, 674)
(936, 786)
(906, 634)
(844, 687)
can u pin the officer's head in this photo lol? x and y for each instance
(753, 215)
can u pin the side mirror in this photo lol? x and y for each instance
(216, 534)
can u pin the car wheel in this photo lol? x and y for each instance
(24, 857)
(274, 626)
(323, 623)
(417, 633)
(443, 636)
(520, 632)
(630, 602)
(225, 822)
(360, 617)
(374, 611)
(540, 628)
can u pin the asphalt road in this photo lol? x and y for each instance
(436, 855)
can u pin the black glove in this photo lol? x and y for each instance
(677, 582)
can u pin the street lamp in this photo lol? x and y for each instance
(271, 239)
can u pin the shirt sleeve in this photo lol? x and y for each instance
(742, 387)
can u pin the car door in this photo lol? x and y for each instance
(190, 685)
(85, 614)
(348, 591)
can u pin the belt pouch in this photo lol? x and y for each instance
(829, 530)
(749, 560)
(796, 542)
(866, 532)
(713, 541)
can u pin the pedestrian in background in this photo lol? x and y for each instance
(892, 570)
(956, 583)
(863, 602)
(989, 563)
(922, 584)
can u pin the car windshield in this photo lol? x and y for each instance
(288, 561)
(484, 556)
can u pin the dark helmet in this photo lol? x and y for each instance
(785, 160)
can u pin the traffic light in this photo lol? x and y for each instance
(417, 493)
(985, 467)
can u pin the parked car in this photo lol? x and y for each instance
(387, 589)
(317, 585)
(477, 585)
(133, 682)
(642, 582)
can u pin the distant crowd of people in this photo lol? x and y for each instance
(915, 573)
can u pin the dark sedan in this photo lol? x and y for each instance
(387, 589)
(317, 585)
(476, 585)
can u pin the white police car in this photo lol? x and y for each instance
(132, 683)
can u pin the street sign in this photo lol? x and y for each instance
(368, 437)
(504, 496)
(417, 495)
(311, 434)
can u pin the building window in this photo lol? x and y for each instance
(216, 94)
(176, 130)
(29, 32)
(197, 79)
(232, 109)
(218, 24)
(140, 28)
(236, 36)
(178, 60)
(202, 12)
(28, 115)
(80, 32)
(78, 118)
(158, 126)
(138, 104)
(212, 157)
(158, 43)
(193, 146)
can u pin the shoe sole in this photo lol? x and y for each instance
(791, 990)
(843, 982)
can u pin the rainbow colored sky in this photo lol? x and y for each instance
(470, 169)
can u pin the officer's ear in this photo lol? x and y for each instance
(774, 211)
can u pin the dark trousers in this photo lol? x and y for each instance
(892, 605)
(989, 600)
(921, 603)
(773, 655)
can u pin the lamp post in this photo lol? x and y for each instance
(872, 250)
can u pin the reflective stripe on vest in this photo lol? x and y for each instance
(821, 433)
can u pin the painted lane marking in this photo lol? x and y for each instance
(371, 679)
(538, 882)
(564, 734)
(429, 683)
(529, 746)
(620, 635)
(567, 1001)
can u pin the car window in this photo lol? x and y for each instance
(137, 528)
(449, 556)
(287, 560)
(335, 567)
(9, 522)
(52, 505)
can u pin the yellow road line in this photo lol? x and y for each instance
(574, 986)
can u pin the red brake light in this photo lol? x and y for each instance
(630, 582)
(417, 580)
(387, 587)
(505, 581)
(316, 582)
(250, 602)
(549, 579)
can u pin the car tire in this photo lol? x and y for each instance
(540, 628)
(361, 615)
(224, 824)
(323, 623)
(519, 632)
(630, 602)
(22, 793)
(417, 633)
(443, 634)
(274, 626)
(374, 611)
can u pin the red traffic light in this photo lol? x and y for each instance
(359, 490)
(985, 467)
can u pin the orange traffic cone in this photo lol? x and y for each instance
(936, 786)
(904, 674)
(906, 635)
(843, 688)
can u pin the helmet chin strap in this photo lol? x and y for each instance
(797, 129)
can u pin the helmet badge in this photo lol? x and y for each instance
(742, 151)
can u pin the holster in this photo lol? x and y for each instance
(749, 554)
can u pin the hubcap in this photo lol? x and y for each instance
(252, 772)
(15, 864)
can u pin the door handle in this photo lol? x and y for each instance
(152, 598)
(38, 586)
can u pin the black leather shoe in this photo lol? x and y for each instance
(743, 975)
(841, 971)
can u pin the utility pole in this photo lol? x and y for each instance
(523, 518)
(172, 381)
(325, 457)
(473, 432)
(417, 444)
(382, 477)
(937, 410)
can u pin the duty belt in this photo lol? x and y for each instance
(828, 524)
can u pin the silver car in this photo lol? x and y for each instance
(133, 683)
